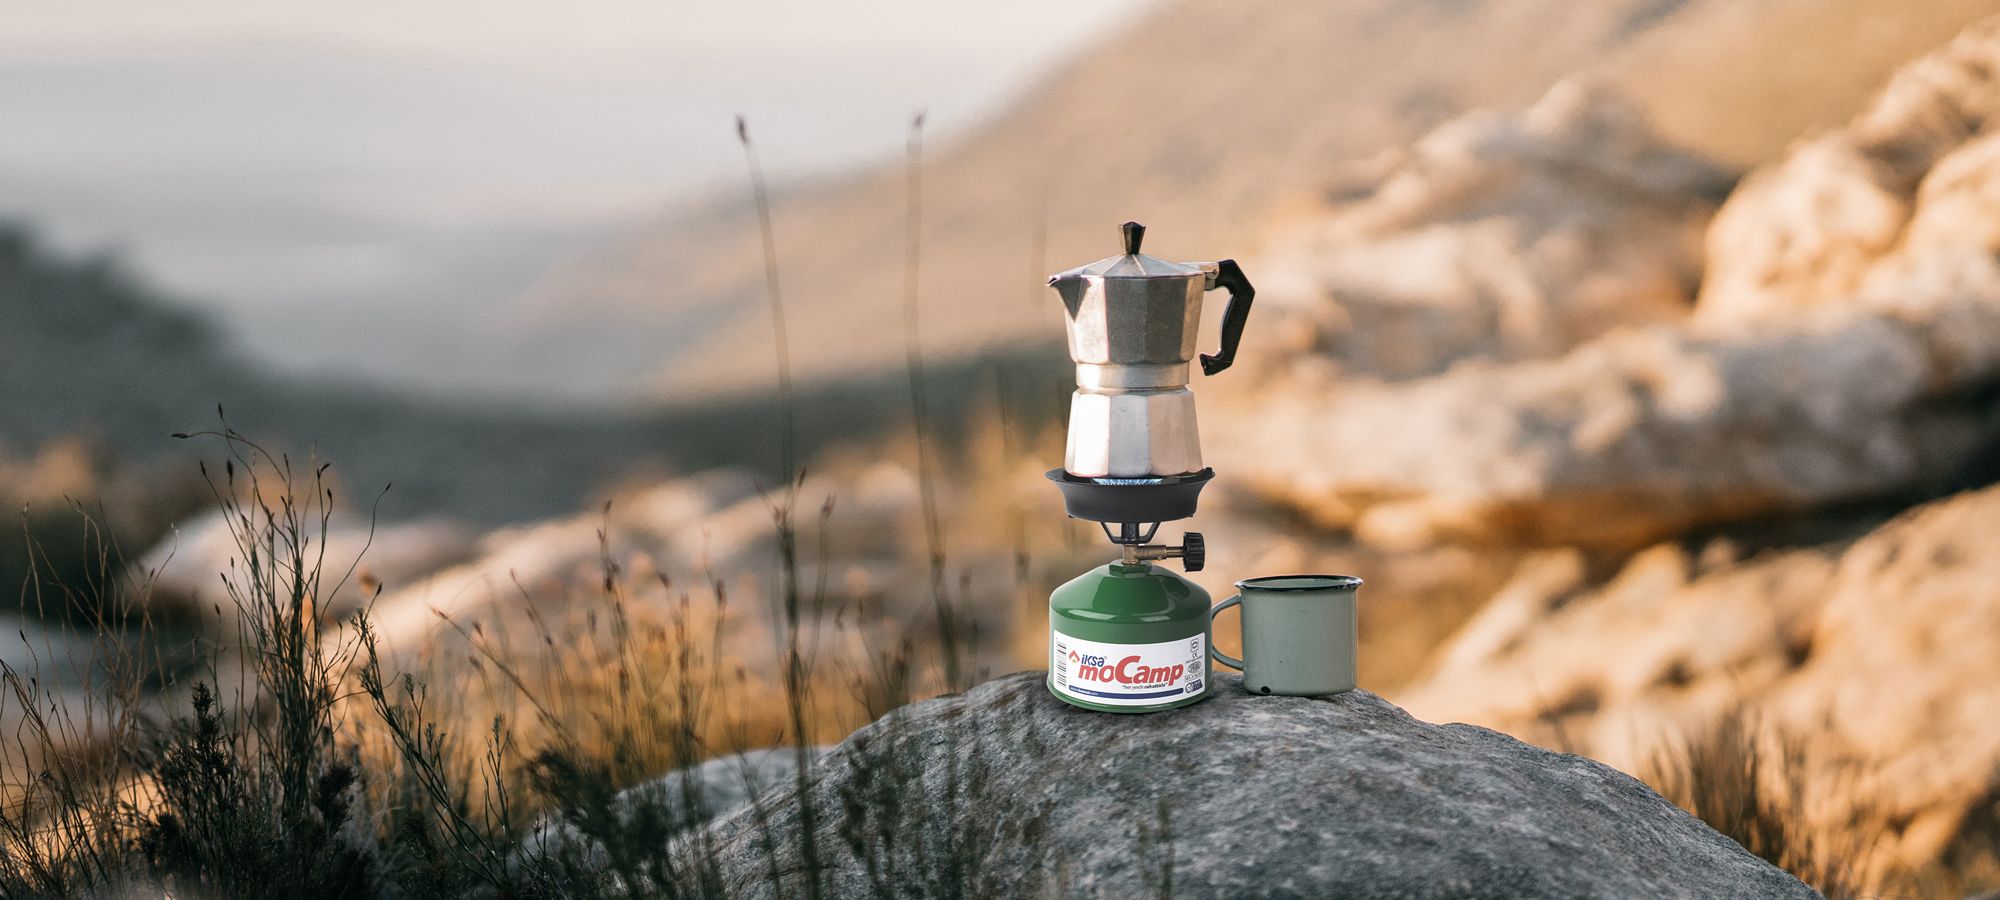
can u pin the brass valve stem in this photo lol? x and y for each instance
(1193, 552)
(1136, 553)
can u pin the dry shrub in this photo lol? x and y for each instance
(1770, 790)
(1761, 787)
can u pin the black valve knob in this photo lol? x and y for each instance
(1194, 551)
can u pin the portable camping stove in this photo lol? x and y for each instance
(1131, 636)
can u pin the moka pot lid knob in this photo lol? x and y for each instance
(1132, 263)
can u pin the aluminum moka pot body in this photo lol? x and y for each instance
(1132, 323)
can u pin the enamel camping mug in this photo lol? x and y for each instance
(1298, 634)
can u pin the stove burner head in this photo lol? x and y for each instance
(1130, 500)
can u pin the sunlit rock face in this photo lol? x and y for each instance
(1636, 436)
(1844, 348)
(1900, 194)
(1848, 323)
(1884, 651)
(1497, 236)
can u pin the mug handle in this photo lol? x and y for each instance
(1220, 656)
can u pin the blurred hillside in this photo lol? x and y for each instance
(1205, 122)
(94, 360)
(98, 371)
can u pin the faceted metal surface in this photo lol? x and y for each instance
(1131, 265)
(1133, 321)
(1132, 434)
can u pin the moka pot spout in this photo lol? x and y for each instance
(1071, 289)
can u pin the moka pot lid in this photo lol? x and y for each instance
(1132, 263)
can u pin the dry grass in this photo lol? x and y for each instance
(330, 765)
(323, 771)
(1755, 786)
(1766, 789)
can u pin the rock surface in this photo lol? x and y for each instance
(683, 798)
(1005, 791)
(1496, 236)
(1884, 650)
(1634, 437)
(1845, 212)
(1843, 346)
(713, 525)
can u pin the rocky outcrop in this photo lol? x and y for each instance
(1636, 436)
(716, 525)
(185, 566)
(1496, 236)
(680, 587)
(1861, 209)
(1885, 650)
(1005, 791)
(1845, 344)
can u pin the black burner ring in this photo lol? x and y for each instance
(1161, 499)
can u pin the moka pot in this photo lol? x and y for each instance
(1132, 321)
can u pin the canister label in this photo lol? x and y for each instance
(1128, 674)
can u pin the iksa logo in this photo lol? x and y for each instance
(1129, 671)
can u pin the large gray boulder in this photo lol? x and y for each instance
(1004, 791)
(674, 802)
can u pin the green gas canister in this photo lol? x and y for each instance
(1129, 638)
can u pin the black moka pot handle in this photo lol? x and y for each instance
(1229, 275)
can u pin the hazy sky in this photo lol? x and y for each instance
(346, 183)
(475, 28)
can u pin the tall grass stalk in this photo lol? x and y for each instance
(66, 822)
(795, 659)
(949, 626)
(291, 824)
(760, 197)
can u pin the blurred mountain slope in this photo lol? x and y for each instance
(1197, 121)
(97, 370)
(1204, 121)
(1740, 81)
(92, 359)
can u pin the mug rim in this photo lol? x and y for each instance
(1314, 583)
